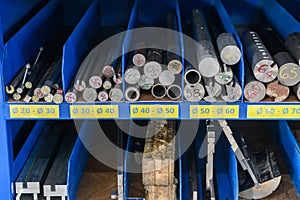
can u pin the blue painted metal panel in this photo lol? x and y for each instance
(77, 163)
(289, 150)
(292, 7)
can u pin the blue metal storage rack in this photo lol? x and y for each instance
(15, 52)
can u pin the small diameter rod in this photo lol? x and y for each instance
(232, 92)
(277, 91)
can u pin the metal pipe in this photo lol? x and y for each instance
(90, 95)
(254, 90)
(145, 82)
(278, 91)
(132, 94)
(174, 92)
(263, 66)
(159, 91)
(166, 78)
(191, 75)
(232, 92)
(289, 71)
(207, 60)
(292, 43)
(225, 75)
(194, 93)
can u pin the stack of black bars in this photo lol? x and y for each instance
(273, 66)
(38, 81)
(46, 169)
(209, 61)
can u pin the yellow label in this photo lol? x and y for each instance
(213, 111)
(94, 111)
(154, 111)
(273, 112)
(34, 111)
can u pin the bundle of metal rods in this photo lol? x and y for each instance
(152, 70)
(39, 81)
(94, 82)
(210, 76)
(272, 68)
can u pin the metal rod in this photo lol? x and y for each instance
(207, 60)
(254, 90)
(132, 75)
(139, 55)
(25, 74)
(153, 66)
(278, 91)
(296, 89)
(192, 76)
(103, 96)
(174, 92)
(166, 78)
(225, 75)
(11, 87)
(117, 78)
(107, 84)
(17, 96)
(89, 95)
(132, 94)
(145, 82)
(289, 71)
(194, 93)
(173, 45)
(232, 92)
(52, 77)
(213, 89)
(159, 91)
(292, 42)
(263, 66)
(116, 94)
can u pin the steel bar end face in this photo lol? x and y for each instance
(194, 93)
(159, 91)
(132, 94)
(17, 96)
(278, 91)
(152, 69)
(58, 98)
(233, 93)
(89, 95)
(231, 55)
(175, 66)
(9, 89)
(174, 92)
(224, 78)
(145, 82)
(45, 90)
(192, 77)
(255, 91)
(95, 82)
(48, 98)
(139, 60)
(166, 78)
(116, 95)
(103, 96)
(107, 85)
(70, 97)
(38, 93)
(118, 79)
(266, 70)
(28, 85)
(132, 76)
(263, 190)
(27, 98)
(20, 90)
(289, 74)
(35, 99)
(80, 85)
(297, 90)
(108, 71)
(41, 48)
(209, 67)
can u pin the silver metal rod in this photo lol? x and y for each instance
(71, 96)
(103, 96)
(296, 89)
(159, 91)
(58, 98)
(132, 75)
(145, 82)
(194, 93)
(225, 75)
(192, 76)
(132, 94)
(213, 89)
(229, 51)
(95, 81)
(139, 55)
(233, 91)
(174, 92)
(90, 95)
(17, 96)
(116, 94)
(263, 66)
(166, 78)
(278, 91)
(207, 60)
(25, 74)
(152, 69)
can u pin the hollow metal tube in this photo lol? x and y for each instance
(132, 94)
(159, 91)
(174, 92)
